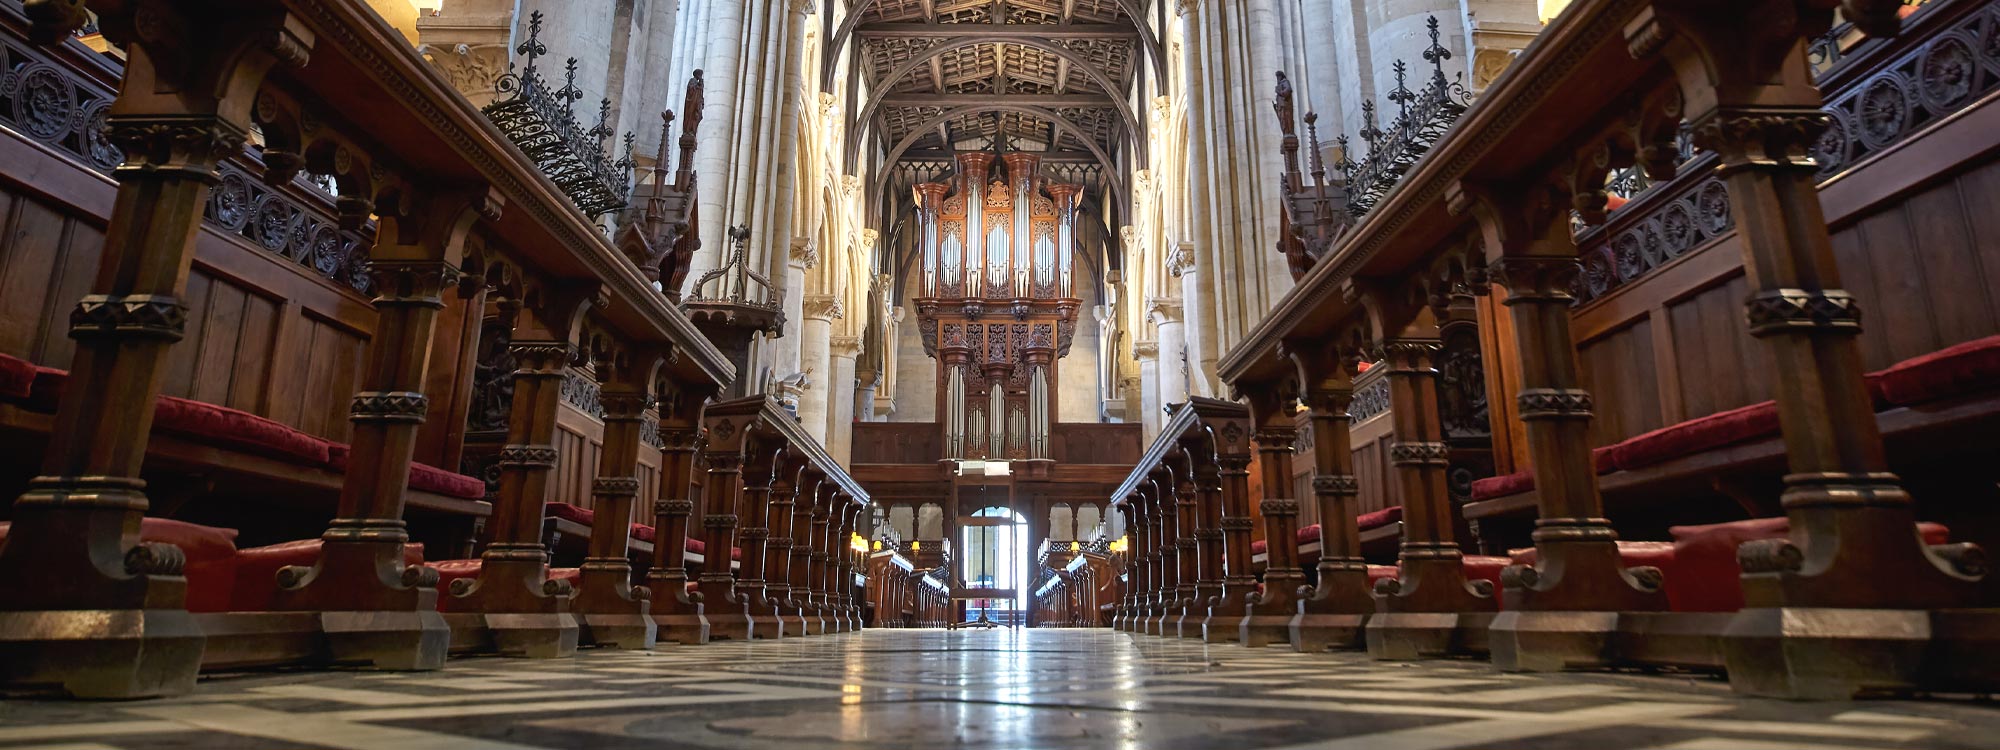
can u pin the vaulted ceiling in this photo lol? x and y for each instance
(1048, 76)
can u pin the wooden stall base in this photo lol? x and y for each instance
(1225, 618)
(1673, 640)
(1839, 653)
(1416, 635)
(1333, 615)
(1542, 641)
(623, 630)
(1256, 630)
(534, 635)
(1314, 633)
(685, 629)
(399, 641)
(122, 654)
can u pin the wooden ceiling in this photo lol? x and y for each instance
(1043, 75)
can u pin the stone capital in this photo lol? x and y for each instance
(1164, 310)
(1146, 349)
(869, 237)
(1130, 234)
(844, 346)
(805, 252)
(1180, 260)
(825, 307)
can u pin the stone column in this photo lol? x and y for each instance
(1197, 332)
(1148, 354)
(1165, 312)
(815, 360)
(841, 392)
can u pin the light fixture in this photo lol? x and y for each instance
(878, 545)
(1076, 546)
(858, 543)
(914, 546)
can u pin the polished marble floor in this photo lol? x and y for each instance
(922, 689)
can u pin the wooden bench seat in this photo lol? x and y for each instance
(1379, 531)
(221, 441)
(1919, 397)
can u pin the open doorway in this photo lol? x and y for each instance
(995, 541)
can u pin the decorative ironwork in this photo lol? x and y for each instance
(542, 122)
(1422, 117)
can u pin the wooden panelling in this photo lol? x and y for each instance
(1371, 466)
(1094, 443)
(897, 443)
(1619, 372)
(579, 440)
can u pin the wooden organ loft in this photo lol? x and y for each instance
(997, 308)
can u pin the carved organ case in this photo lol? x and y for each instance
(996, 305)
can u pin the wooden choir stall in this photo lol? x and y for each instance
(265, 279)
(1640, 260)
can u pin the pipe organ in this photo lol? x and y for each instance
(996, 306)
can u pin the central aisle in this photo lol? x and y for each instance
(921, 689)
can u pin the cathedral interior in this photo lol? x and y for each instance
(1165, 374)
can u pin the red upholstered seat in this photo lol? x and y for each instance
(1522, 481)
(1477, 568)
(696, 546)
(1380, 518)
(256, 571)
(1706, 557)
(210, 552)
(1952, 371)
(217, 425)
(423, 477)
(17, 378)
(452, 570)
(1696, 435)
(569, 512)
(643, 532)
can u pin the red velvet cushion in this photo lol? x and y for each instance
(423, 477)
(1477, 568)
(1309, 535)
(643, 532)
(1697, 435)
(1952, 371)
(211, 558)
(222, 425)
(256, 574)
(45, 394)
(1502, 486)
(570, 512)
(1380, 518)
(1705, 559)
(1259, 547)
(696, 546)
(17, 378)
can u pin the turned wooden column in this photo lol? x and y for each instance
(89, 607)
(727, 610)
(1231, 438)
(806, 519)
(1271, 610)
(1908, 616)
(1187, 600)
(610, 610)
(760, 472)
(1199, 451)
(1579, 572)
(1145, 557)
(816, 567)
(375, 609)
(1127, 584)
(843, 556)
(1331, 614)
(676, 611)
(523, 611)
(1166, 535)
(1422, 611)
(801, 481)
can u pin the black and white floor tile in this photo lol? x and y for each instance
(922, 689)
